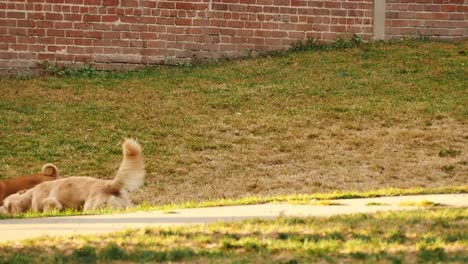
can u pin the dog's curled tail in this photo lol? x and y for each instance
(50, 169)
(131, 173)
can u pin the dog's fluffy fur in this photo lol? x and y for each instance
(49, 172)
(84, 193)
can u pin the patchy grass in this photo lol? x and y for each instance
(375, 204)
(448, 168)
(355, 119)
(434, 235)
(311, 199)
(423, 203)
(449, 153)
(325, 203)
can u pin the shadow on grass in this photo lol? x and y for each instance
(111, 253)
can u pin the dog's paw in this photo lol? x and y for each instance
(51, 205)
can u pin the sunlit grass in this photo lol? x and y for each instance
(310, 199)
(423, 203)
(375, 204)
(436, 235)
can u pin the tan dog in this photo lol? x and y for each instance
(49, 172)
(84, 193)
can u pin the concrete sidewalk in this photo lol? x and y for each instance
(19, 229)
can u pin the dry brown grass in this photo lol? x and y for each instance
(336, 158)
(358, 119)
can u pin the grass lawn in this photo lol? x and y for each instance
(420, 236)
(360, 119)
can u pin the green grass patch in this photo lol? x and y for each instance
(375, 204)
(431, 235)
(422, 203)
(449, 152)
(448, 168)
(326, 203)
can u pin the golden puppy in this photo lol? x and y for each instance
(84, 193)
(49, 172)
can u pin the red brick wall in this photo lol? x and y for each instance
(442, 19)
(126, 33)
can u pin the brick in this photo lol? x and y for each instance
(183, 22)
(83, 42)
(92, 34)
(432, 8)
(129, 19)
(166, 5)
(26, 56)
(448, 8)
(27, 40)
(228, 32)
(72, 17)
(241, 32)
(63, 41)
(298, 3)
(415, 7)
(456, 32)
(332, 4)
(399, 23)
(46, 40)
(91, 18)
(36, 32)
(339, 12)
(111, 18)
(457, 16)
(111, 35)
(440, 16)
(175, 30)
(53, 16)
(55, 32)
(323, 12)
(36, 16)
(63, 25)
(185, 5)
(321, 27)
(8, 55)
(110, 2)
(296, 35)
(56, 48)
(148, 4)
(18, 31)
(165, 21)
(407, 15)
(12, 14)
(36, 48)
(423, 15)
(315, 3)
(253, 25)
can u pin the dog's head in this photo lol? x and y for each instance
(17, 203)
